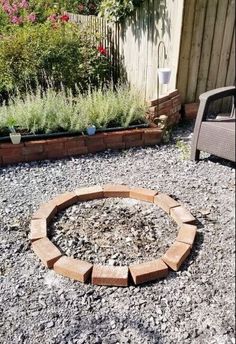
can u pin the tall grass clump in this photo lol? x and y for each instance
(42, 112)
(109, 108)
(47, 110)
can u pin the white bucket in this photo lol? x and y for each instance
(15, 138)
(164, 75)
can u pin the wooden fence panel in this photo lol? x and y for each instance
(199, 39)
(207, 47)
(133, 45)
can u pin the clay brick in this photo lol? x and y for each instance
(110, 275)
(152, 136)
(34, 143)
(165, 202)
(142, 194)
(187, 234)
(148, 271)
(190, 111)
(52, 146)
(176, 255)
(176, 109)
(38, 229)
(56, 153)
(11, 146)
(65, 200)
(96, 147)
(94, 139)
(116, 145)
(76, 141)
(115, 190)
(158, 101)
(34, 149)
(89, 193)
(181, 215)
(46, 211)
(173, 93)
(47, 252)
(165, 104)
(56, 141)
(34, 156)
(132, 135)
(113, 137)
(137, 143)
(12, 159)
(73, 268)
(165, 111)
(176, 100)
(79, 150)
(173, 119)
(14, 151)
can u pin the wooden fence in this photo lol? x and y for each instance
(199, 37)
(207, 52)
(134, 44)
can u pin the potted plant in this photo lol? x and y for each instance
(91, 129)
(14, 136)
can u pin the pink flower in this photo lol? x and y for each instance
(52, 18)
(16, 20)
(23, 4)
(32, 17)
(7, 8)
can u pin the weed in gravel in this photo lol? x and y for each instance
(184, 149)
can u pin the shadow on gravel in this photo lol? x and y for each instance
(219, 161)
(137, 328)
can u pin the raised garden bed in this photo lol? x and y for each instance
(40, 136)
(61, 147)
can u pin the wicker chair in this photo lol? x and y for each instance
(215, 136)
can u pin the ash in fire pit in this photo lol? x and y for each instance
(113, 231)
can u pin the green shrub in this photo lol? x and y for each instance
(107, 108)
(65, 54)
(51, 111)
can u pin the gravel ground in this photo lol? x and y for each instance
(194, 305)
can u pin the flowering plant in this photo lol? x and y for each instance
(102, 50)
(18, 12)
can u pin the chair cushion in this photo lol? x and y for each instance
(218, 137)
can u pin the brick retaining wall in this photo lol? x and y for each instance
(168, 105)
(77, 145)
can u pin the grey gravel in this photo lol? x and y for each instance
(113, 231)
(194, 305)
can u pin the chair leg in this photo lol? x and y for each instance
(195, 154)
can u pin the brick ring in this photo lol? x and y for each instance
(82, 271)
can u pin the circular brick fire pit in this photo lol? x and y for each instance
(82, 271)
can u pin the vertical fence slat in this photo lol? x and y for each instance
(196, 49)
(217, 44)
(230, 78)
(206, 47)
(185, 48)
(226, 46)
